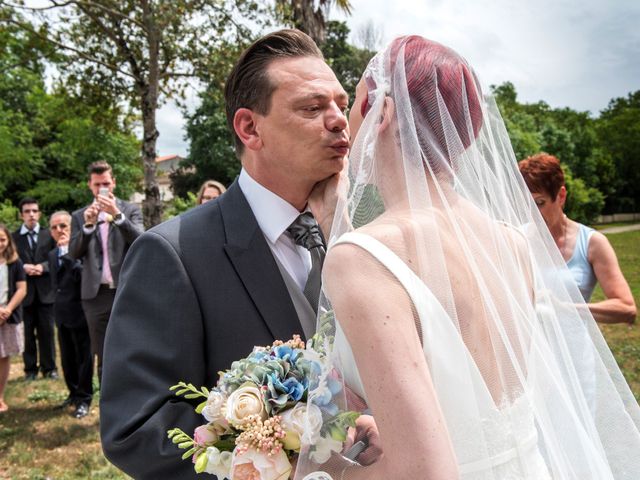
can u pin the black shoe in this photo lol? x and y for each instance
(82, 410)
(29, 377)
(53, 375)
(67, 403)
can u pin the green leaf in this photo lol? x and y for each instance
(200, 407)
(189, 453)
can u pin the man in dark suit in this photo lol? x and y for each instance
(73, 333)
(34, 244)
(200, 290)
(101, 234)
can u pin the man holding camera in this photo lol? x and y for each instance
(101, 234)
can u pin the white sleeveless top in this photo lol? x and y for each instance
(490, 442)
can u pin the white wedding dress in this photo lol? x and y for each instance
(526, 384)
(490, 441)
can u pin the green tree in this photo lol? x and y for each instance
(347, 61)
(521, 126)
(310, 15)
(21, 87)
(211, 146)
(618, 129)
(47, 139)
(584, 203)
(569, 135)
(141, 52)
(211, 151)
(9, 215)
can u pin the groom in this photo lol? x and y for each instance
(199, 291)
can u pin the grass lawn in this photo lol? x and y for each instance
(623, 340)
(602, 226)
(38, 442)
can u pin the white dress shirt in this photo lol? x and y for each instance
(274, 215)
(25, 231)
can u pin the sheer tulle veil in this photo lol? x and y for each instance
(439, 188)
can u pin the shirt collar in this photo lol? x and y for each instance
(273, 213)
(24, 230)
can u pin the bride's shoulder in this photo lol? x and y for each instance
(349, 255)
(517, 235)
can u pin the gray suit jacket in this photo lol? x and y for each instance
(88, 248)
(196, 293)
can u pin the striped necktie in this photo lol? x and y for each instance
(306, 233)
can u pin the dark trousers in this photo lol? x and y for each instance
(77, 362)
(97, 311)
(39, 338)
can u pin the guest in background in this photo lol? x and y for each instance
(13, 289)
(589, 255)
(209, 190)
(33, 244)
(101, 234)
(73, 333)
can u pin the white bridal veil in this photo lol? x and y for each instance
(516, 359)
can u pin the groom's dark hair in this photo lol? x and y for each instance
(249, 85)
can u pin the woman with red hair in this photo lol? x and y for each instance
(589, 255)
(442, 312)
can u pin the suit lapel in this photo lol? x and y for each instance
(43, 241)
(253, 261)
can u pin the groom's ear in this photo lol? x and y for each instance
(388, 110)
(244, 124)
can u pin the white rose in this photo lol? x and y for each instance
(245, 401)
(213, 410)
(323, 449)
(305, 420)
(218, 463)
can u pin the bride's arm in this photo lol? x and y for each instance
(377, 318)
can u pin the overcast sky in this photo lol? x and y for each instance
(574, 53)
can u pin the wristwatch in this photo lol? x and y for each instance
(118, 217)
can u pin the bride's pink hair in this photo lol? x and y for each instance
(432, 68)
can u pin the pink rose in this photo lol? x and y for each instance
(255, 465)
(204, 436)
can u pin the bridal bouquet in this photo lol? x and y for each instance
(260, 412)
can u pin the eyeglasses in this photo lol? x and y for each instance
(60, 226)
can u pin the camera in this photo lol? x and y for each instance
(104, 191)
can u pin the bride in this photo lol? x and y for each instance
(449, 320)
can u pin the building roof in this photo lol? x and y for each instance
(166, 158)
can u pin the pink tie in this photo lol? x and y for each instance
(104, 234)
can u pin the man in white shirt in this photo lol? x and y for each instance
(201, 290)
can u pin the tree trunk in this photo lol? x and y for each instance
(310, 19)
(152, 203)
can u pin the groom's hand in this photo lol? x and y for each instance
(367, 431)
